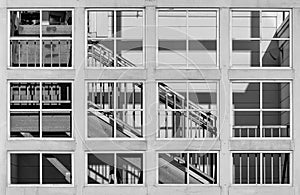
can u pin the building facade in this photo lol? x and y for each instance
(149, 97)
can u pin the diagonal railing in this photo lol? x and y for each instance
(206, 120)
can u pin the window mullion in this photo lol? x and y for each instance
(41, 167)
(41, 109)
(40, 39)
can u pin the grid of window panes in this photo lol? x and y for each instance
(187, 38)
(40, 38)
(115, 109)
(187, 168)
(261, 109)
(261, 168)
(115, 38)
(260, 38)
(114, 168)
(187, 109)
(40, 109)
(40, 168)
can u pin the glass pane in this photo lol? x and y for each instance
(172, 95)
(172, 25)
(24, 124)
(24, 169)
(24, 95)
(276, 124)
(276, 95)
(172, 168)
(57, 23)
(57, 53)
(245, 24)
(100, 169)
(275, 53)
(202, 53)
(129, 24)
(100, 24)
(100, 95)
(57, 96)
(129, 53)
(25, 53)
(275, 24)
(100, 124)
(246, 95)
(56, 169)
(101, 53)
(202, 124)
(129, 169)
(129, 95)
(202, 95)
(129, 124)
(254, 168)
(203, 168)
(56, 124)
(172, 53)
(24, 23)
(246, 124)
(202, 25)
(245, 53)
(172, 124)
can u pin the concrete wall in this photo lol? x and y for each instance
(150, 145)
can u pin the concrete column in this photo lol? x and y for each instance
(3, 97)
(79, 97)
(150, 108)
(224, 130)
(295, 99)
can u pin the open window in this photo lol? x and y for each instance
(41, 38)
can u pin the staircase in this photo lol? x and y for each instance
(101, 56)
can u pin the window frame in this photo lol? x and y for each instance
(261, 110)
(40, 153)
(114, 153)
(216, 82)
(187, 152)
(261, 152)
(260, 39)
(187, 67)
(41, 38)
(41, 110)
(114, 39)
(115, 109)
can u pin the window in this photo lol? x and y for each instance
(261, 168)
(261, 109)
(187, 38)
(102, 167)
(41, 38)
(40, 168)
(115, 38)
(260, 38)
(115, 109)
(36, 113)
(187, 109)
(187, 168)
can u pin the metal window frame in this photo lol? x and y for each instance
(114, 39)
(217, 11)
(41, 38)
(41, 110)
(261, 39)
(115, 109)
(40, 153)
(261, 109)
